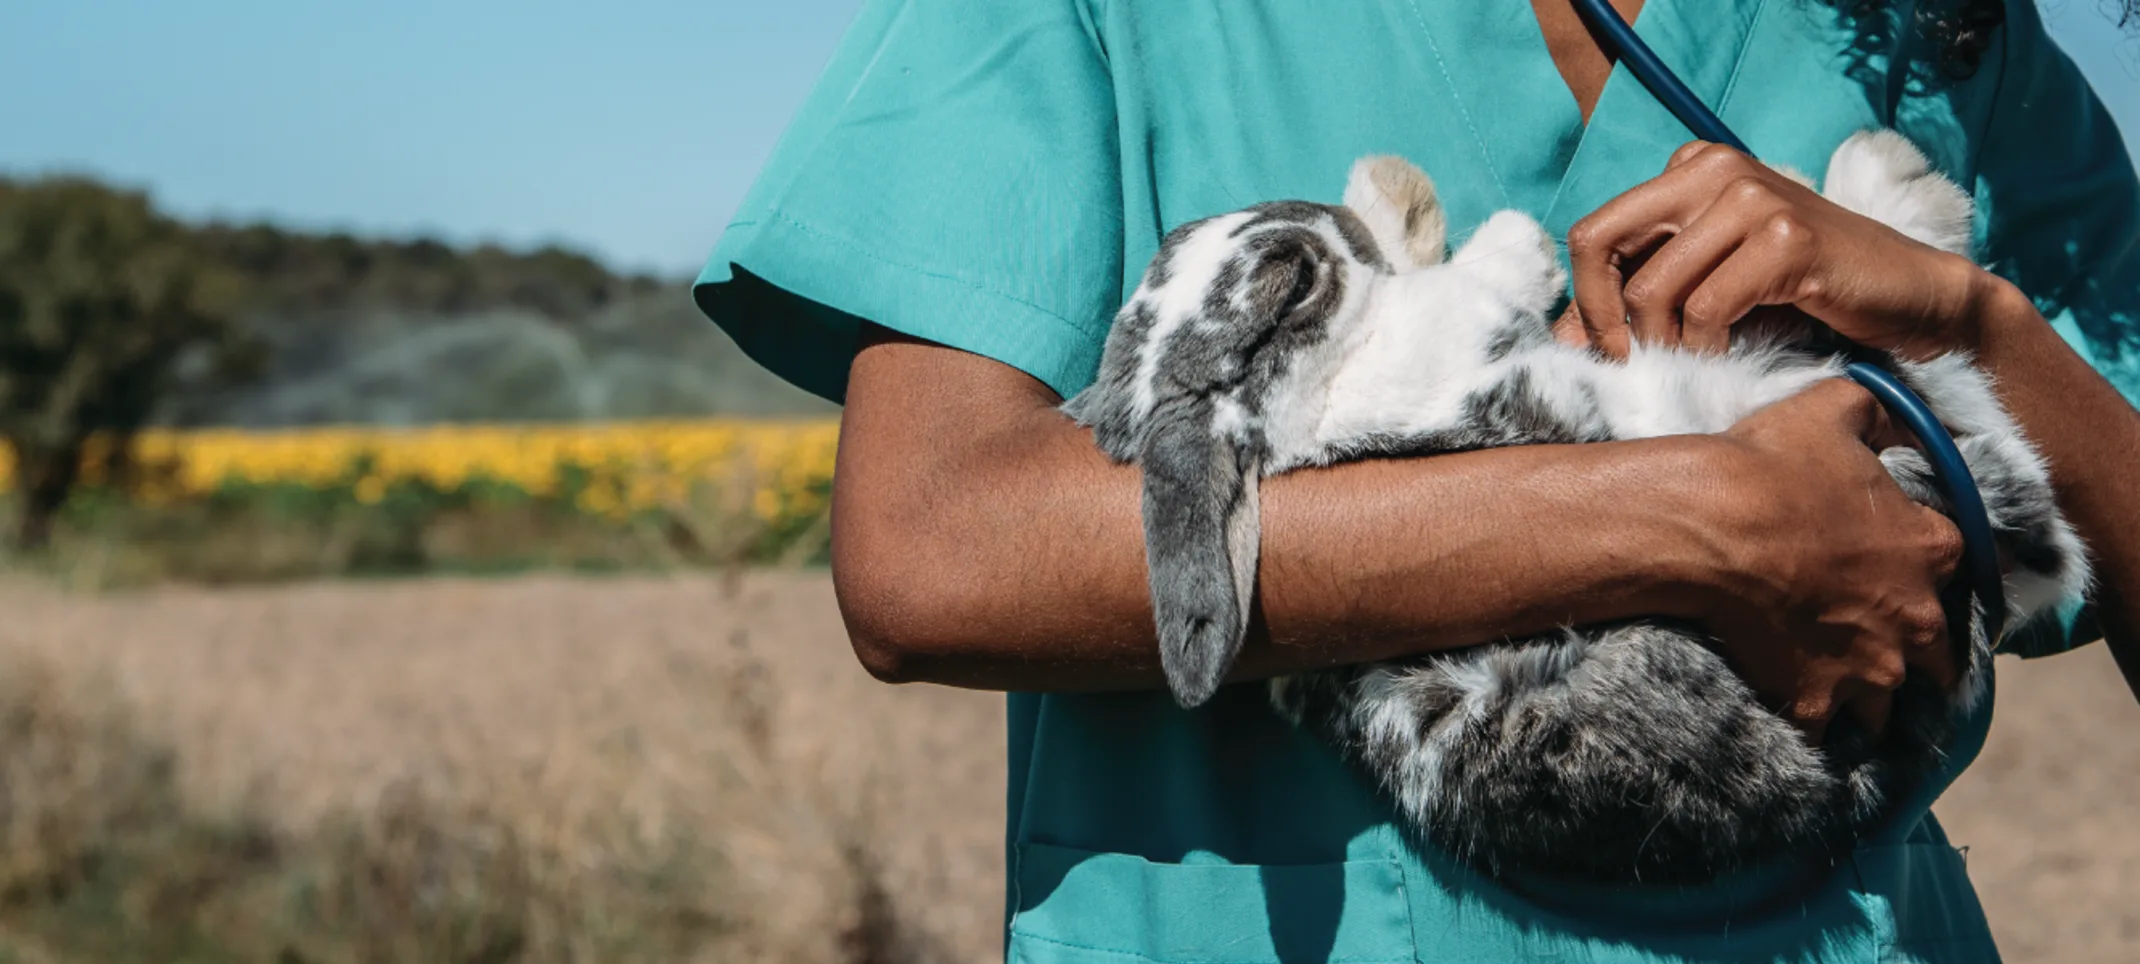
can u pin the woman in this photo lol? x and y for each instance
(946, 230)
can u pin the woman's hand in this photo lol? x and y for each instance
(1832, 595)
(1682, 257)
(1827, 589)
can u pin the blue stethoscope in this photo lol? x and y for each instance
(1979, 573)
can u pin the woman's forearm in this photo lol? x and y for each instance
(982, 540)
(1383, 559)
(2091, 436)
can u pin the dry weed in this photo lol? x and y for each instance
(73, 782)
(653, 816)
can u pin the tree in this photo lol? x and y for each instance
(101, 300)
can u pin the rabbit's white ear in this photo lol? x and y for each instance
(1201, 536)
(1398, 204)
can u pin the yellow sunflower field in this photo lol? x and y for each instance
(542, 488)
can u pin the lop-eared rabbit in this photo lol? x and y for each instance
(1295, 334)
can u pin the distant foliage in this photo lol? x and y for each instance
(101, 298)
(414, 331)
(114, 317)
(294, 273)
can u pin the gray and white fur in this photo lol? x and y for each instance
(1298, 334)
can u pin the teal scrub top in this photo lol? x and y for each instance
(994, 175)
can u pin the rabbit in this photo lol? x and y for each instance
(1295, 334)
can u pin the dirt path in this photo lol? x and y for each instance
(2051, 812)
(308, 698)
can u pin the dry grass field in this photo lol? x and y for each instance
(637, 769)
(665, 768)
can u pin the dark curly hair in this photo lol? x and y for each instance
(1961, 30)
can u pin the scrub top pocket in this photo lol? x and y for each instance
(1078, 907)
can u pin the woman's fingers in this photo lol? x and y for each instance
(1615, 252)
(1597, 297)
(1606, 248)
(1922, 622)
(1770, 266)
(1657, 293)
(1930, 645)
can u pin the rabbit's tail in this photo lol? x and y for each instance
(1201, 535)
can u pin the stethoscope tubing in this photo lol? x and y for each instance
(1979, 569)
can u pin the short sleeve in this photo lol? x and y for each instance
(954, 177)
(2061, 219)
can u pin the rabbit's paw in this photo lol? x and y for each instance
(1880, 174)
(1515, 257)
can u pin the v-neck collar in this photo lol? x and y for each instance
(1630, 134)
(1544, 160)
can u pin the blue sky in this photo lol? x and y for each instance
(629, 128)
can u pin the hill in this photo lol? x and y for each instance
(413, 331)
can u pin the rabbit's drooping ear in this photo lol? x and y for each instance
(1398, 204)
(1201, 535)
